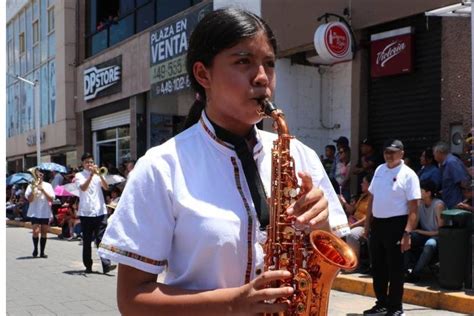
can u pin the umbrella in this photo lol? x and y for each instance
(61, 191)
(20, 177)
(112, 179)
(52, 166)
(71, 188)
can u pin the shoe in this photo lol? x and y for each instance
(43, 255)
(377, 310)
(109, 268)
(398, 312)
(412, 278)
(35, 253)
(88, 270)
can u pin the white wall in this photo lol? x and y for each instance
(250, 5)
(298, 94)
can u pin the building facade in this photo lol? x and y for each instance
(41, 48)
(116, 83)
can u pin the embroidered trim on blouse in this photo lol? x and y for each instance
(248, 271)
(134, 255)
(213, 136)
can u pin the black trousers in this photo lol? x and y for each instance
(387, 260)
(92, 227)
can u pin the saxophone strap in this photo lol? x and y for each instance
(252, 176)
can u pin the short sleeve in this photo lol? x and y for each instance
(28, 191)
(50, 191)
(413, 191)
(337, 216)
(140, 232)
(79, 180)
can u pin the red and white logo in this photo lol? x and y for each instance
(391, 52)
(333, 42)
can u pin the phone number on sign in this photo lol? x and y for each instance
(169, 69)
(172, 85)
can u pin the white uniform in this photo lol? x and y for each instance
(187, 205)
(91, 201)
(40, 207)
(392, 189)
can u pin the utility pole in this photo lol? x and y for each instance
(36, 105)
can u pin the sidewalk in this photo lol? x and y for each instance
(427, 294)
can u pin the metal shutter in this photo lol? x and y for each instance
(408, 106)
(111, 120)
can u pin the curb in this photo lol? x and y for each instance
(361, 284)
(458, 301)
(52, 229)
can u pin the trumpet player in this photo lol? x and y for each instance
(92, 210)
(39, 194)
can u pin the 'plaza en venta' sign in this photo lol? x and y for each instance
(168, 48)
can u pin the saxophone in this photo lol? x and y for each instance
(313, 258)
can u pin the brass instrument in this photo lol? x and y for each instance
(313, 258)
(36, 181)
(102, 171)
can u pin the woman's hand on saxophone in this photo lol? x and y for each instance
(252, 298)
(311, 209)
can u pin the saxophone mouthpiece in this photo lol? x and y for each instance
(267, 106)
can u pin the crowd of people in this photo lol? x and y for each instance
(42, 203)
(396, 212)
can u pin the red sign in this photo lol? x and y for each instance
(391, 55)
(337, 40)
(333, 42)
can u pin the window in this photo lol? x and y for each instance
(50, 19)
(21, 42)
(35, 32)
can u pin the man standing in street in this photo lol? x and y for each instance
(92, 210)
(454, 175)
(391, 216)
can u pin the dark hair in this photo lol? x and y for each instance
(332, 147)
(217, 31)
(86, 156)
(428, 185)
(368, 177)
(429, 155)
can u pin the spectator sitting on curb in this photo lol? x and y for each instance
(425, 237)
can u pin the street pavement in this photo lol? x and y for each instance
(58, 286)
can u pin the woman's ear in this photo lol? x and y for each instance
(202, 75)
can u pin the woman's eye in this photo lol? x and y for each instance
(243, 61)
(271, 64)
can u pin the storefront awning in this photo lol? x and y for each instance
(462, 9)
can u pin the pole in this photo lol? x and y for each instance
(37, 121)
(36, 105)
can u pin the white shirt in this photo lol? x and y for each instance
(392, 188)
(91, 201)
(187, 205)
(40, 207)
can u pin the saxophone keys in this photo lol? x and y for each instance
(293, 193)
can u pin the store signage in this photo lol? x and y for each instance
(168, 48)
(333, 42)
(31, 139)
(103, 79)
(391, 53)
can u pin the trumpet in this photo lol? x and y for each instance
(102, 171)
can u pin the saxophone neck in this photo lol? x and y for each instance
(269, 110)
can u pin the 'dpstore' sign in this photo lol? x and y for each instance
(391, 52)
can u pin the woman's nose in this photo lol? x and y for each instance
(261, 78)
